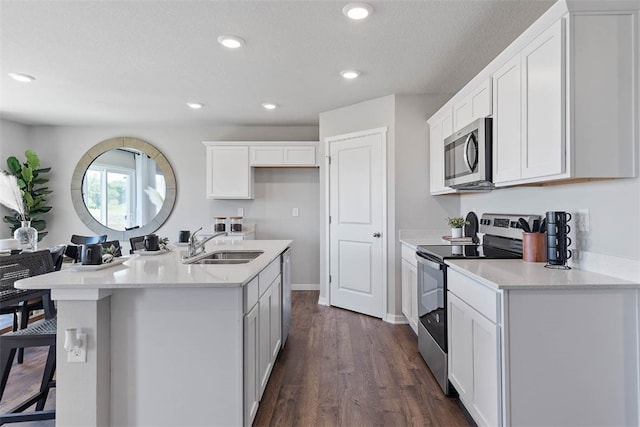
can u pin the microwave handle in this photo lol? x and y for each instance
(466, 156)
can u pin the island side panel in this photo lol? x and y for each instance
(573, 357)
(177, 357)
(83, 389)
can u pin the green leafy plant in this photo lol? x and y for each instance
(456, 222)
(33, 193)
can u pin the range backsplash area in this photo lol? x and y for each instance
(612, 243)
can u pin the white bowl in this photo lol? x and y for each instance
(9, 244)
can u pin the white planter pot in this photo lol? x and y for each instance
(456, 232)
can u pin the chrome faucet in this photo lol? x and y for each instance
(197, 246)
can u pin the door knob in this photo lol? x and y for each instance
(376, 234)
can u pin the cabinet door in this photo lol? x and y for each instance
(266, 155)
(486, 371)
(440, 128)
(507, 96)
(480, 101)
(275, 317)
(410, 294)
(251, 342)
(264, 333)
(300, 155)
(460, 346)
(229, 175)
(543, 132)
(462, 114)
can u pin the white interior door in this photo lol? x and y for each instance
(356, 209)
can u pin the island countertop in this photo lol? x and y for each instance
(165, 270)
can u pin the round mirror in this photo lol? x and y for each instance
(123, 187)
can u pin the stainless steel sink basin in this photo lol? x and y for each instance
(225, 257)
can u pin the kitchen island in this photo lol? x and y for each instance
(168, 343)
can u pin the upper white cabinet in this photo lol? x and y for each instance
(474, 106)
(229, 175)
(563, 97)
(296, 154)
(440, 127)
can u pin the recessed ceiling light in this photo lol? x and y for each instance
(24, 78)
(269, 106)
(349, 74)
(357, 11)
(232, 42)
(195, 105)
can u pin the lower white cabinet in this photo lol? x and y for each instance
(410, 288)
(262, 335)
(251, 342)
(474, 364)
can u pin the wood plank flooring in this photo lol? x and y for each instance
(338, 368)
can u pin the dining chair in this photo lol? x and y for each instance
(23, 301)
(137, 243)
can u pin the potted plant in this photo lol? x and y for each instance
(456, 223)
(33, 193)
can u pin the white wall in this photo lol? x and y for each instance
(62, 147)
(409, 203)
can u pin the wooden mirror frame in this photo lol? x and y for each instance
(101, 148)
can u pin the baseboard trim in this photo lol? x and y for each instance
(323, 301)
(396, 319)
(305, 287)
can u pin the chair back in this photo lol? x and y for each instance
(57, 255)
(88, 240)
(21, 266)
(137, 243)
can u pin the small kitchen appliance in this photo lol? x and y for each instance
(467, 157)
(502, 240)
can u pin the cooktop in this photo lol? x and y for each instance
(466, 251)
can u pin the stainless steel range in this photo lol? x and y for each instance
(502, 240)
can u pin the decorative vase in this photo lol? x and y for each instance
(456, 232)
(27, 237)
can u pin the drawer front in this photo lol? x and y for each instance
(409, 255)
(250, 294)
(268, 275)
(484, 300)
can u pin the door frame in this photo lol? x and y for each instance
(382, 131)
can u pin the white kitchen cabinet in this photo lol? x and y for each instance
(474, 106)
(275, 319)
(410, 287)
(251, 343)
(229, 175)
(475, 364)
(507, 125)
(440, 127)
(269, 338)
(295, 154)
(543, 137)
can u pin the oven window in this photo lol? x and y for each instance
(431, 301)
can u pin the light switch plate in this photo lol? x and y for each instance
(294, 212)
(240, 211)
(79, 355)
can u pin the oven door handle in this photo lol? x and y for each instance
(428, 263)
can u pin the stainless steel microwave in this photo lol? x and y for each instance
(467, 157)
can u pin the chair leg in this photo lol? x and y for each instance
(24, 322)
(6, 360)
(47, 377)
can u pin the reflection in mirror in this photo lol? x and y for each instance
(123, 188)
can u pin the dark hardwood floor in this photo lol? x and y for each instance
(338, 368)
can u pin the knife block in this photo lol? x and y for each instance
(534, 247)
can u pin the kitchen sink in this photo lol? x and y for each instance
(225, 257)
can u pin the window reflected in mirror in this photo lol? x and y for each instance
(123, 188)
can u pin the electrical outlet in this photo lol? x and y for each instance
(582, 220)
(79, 355)
(294, 212)
(240, 211)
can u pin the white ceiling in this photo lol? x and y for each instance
(138, 62)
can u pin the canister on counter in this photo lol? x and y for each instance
(219, 223)
(236, 224)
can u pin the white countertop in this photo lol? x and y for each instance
(165, 270)
(413, 238)
(518, 274)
